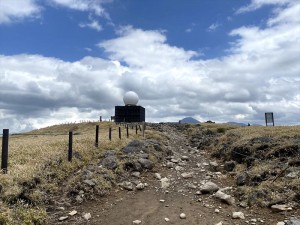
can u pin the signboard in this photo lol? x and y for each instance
(269, 118)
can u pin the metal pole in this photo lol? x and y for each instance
(120, 136)
(97, 135)
(127, 132)
(266, 119)
(4, 160)
(70, 152)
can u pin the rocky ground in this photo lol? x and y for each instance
(170, 181)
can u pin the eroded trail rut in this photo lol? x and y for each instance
(186, 170)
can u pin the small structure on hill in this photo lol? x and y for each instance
(131, 112)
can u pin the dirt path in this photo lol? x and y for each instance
(153, 204)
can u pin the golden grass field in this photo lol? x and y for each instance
(32, 154)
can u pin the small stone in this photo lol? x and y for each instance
(217, 210)
(187, 175)
(136, 222)
(292, 175)
(238, 215)
(209, 187)
(192, 186)
(184, 157)
(89, 182)
(293, 221)
(140, 186)
(72, 213)
(162, 200)
(87, 216)
(224, 197)
(61, 208)
(136, 174)
(179, 168)
(182, 216)
(220, 223)
(175, 160)
(280, 223)
(157, 176)
(79, 199)
(167, 219)
(242, 179)
(127, 185)
(165, 183)
(63, 218)
(229, 166)
(170, 164)
(213, 166)
(280, 208)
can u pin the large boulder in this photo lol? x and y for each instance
(146, 163)
(110, 160)
(134, 147)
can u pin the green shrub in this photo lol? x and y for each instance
(221, 130)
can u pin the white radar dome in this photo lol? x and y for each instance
(130, 98)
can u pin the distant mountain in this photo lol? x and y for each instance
(189, 120)
(240, 124)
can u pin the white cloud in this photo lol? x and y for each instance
(256, 4)
(94, 24)
(213, 27)
(259, 74)
(136, 45)
(15, 10)
(95, 6)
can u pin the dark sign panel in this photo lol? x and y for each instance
(269, 118)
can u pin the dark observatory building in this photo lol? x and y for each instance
(131, 112)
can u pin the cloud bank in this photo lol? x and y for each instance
(260, 73)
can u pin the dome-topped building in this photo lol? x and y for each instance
(131, 112)
(131, 98)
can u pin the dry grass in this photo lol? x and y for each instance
(266, 154)
(42, 152)
(247, 133)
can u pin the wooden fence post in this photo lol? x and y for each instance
(120, 136)
(109, 135)
(127, 132)
(70, 152)
(4, 160)
(97, 135)
(144, 128)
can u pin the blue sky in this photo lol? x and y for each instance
(218, 60)
(201, 26)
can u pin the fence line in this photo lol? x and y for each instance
(6, 135)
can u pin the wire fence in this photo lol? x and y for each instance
(139, 127)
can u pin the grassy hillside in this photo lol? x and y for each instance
(267, 159)
(37, 166)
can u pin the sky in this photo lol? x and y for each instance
(221, 60)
